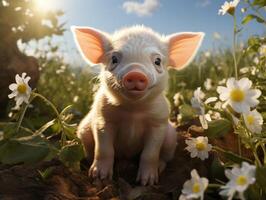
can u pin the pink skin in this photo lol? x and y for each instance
(135, 81)
(130, 113)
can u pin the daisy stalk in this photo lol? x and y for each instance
(236, 72)
(230, 7)
(23, 114)
(234, 46)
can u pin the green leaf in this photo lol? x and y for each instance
(24, 150)
(232, 156)
(250, 17)
(45, 126)
(70, 131)
(254, 192)
(72, 153)
(218, 128)
(260, 3)
(260, 177)
(186, 112)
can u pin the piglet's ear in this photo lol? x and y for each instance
(182, 48)
(92, 43)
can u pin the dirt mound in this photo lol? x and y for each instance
(26, 183)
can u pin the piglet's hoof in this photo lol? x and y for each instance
(102, 169)
(148, 174)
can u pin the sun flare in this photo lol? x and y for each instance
(45, 5)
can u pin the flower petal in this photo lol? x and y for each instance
(13, 86)
(231, 83)
(194, 174)
(210, 100)
(26, 80)
(19, 101)
(245, 83)
(23, 75)
(18, 79)
(12, 95)
(224, 93)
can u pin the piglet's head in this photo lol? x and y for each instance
(135, 59)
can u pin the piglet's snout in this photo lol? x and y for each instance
(135, 81)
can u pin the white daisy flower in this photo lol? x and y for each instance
(208, 84)
(239, 95)
(253, 121)
(20, 90)
(198, 147)
(223, 81)
(196, 101)
(228, 7)
(198, 105)
(244, 70)
(239, 180)
(177, 97)
(195, 187)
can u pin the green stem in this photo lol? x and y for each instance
(23, 114)
(213, 185)
(63, 136)
(49, 103)
(264, 153)
(236, 73)
(257, 159)
(234, 47)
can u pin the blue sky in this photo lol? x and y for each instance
(167, 17)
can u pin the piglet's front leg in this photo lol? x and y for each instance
(149, 161)
(102, 166)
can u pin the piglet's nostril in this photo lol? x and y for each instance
(135, 81)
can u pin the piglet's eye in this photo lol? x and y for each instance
(158, 61)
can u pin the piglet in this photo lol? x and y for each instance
(129, 115)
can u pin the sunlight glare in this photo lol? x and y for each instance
(45, 5)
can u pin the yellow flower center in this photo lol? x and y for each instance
(241, 180)
(237, 95)
(22, 88)
(200, 146)
(250, 119)
(231, 10)
(196, 188)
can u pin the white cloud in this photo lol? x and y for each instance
(203, 3)
(146, 8)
